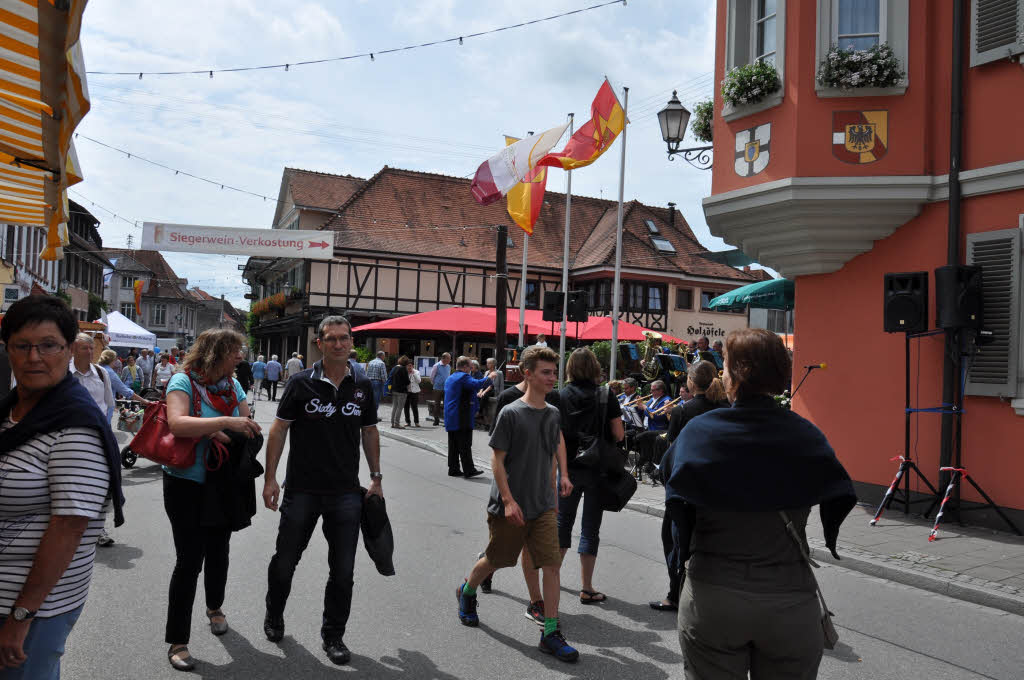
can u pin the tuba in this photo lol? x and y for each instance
(649, 366)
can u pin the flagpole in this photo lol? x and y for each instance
(616, 290)
(522, 292)
(565, 264)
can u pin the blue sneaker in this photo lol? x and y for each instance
(467, 608)
(556, 645)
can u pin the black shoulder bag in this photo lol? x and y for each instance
(596, 452)
(827, 627)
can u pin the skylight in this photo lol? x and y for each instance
(652, 227)
(662, 245)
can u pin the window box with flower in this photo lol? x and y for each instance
(702, 121)
(750, 88)
(875, 71)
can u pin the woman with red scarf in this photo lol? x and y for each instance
(203, 400)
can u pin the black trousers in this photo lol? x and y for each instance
(271, 386)
(197, 548)
(460, 450)
(412, 401)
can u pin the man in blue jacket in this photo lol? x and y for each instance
(460, 407)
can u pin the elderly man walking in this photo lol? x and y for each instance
(377, 372)
(273, 373)
(439, 373)
(146, 362)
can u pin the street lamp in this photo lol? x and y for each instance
(673, 119)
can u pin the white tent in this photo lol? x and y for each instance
(124, 332)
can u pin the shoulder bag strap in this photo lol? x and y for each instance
(791, 530)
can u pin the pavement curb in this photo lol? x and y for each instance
(944, 582)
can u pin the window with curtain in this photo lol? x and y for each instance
(858, 24)
(764, 31)
(655, 299)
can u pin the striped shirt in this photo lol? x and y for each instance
(55, 473)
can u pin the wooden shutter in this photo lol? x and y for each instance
(997, 30)
(993, 370)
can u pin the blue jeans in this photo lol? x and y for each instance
(592, 514)
(44, 646)
(378, 391)
(299, 514)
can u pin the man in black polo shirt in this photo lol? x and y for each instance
(332, 409)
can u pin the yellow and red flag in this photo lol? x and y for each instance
(138, 298)
(526, 198)
(607, 119)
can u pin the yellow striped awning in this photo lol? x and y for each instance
(43, 97)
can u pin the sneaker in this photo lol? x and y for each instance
(535, 612)
(556, 645)
(467, 608)
(485, 585)
(104, 540)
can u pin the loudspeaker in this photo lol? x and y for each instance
(958, 296)
(577, 307)
(553, 305)
(905, 307)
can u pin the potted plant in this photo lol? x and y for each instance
(850, 69)
(750, 83)
(701, 121)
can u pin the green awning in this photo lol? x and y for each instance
(732, 258)
(773, 294)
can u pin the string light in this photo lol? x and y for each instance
(285, 66)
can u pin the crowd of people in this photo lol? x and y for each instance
(741, 476)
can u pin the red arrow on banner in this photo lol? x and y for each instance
(314, 244)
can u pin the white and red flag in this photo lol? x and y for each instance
(510, 166)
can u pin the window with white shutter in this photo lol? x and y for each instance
(997, 30)
(993, 369)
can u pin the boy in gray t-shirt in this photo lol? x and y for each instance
(528, 452)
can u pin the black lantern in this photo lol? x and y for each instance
(673, 120)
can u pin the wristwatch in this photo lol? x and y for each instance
(21, 614)
(376, 475)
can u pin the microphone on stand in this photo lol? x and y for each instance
(809, 368)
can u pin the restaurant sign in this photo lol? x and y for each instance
(196, 238)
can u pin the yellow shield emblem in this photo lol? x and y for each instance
(860, 137)
(752, 150)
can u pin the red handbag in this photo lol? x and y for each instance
(155, 441)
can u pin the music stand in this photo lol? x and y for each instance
(907, 465)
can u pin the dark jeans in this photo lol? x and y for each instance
(196, 548)
(592, 515)
(460, 449)
(412, 402)
(271, 386)
(299, 514)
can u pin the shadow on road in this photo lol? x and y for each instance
(299, 662)
(843, 652)
(141, 475)
(118, 556)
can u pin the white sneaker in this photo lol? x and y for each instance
(104, 540)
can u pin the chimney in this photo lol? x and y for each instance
(671, 214)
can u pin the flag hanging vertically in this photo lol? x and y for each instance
(138, 299)
(526, 198)
(607, 119)
(510, 166)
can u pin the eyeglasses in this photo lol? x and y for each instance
(44, 348)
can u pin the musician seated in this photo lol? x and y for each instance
(628, 391)
(632, 419)
(654, 408)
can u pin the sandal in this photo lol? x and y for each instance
(217, 627)
(592, 597)
(180, 658)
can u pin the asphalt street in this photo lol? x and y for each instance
(406, 626)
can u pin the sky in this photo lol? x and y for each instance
(441, 109)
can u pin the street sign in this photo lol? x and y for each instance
(11, 295)
(197, 238)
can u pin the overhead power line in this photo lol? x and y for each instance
(372, 55)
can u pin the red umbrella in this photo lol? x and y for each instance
(600, 328)
(462, 320)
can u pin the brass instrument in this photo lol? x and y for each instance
(649, 366)
(638, 400)
(658, 412)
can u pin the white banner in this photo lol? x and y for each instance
(198, 238)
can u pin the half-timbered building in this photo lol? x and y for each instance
(407, 242)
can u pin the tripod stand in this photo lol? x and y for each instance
(956, 474)
(907, 466)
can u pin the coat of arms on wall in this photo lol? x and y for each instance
(860, 136)
(752, 147)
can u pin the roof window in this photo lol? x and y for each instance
(662, 245)
(652, 227)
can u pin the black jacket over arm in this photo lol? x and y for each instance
(755, 457)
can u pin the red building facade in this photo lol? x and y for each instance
(837, 212)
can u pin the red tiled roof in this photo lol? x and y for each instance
(316, 190)
(417, 213)
(165, 283)
(200, 294)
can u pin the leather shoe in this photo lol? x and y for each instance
(454, 473)
(180, 659)
(337, 652)
(273, 628)
(664, 606)
(217, 628)
(473, 473)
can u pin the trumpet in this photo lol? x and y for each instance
(639, 399)
(661, 410)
